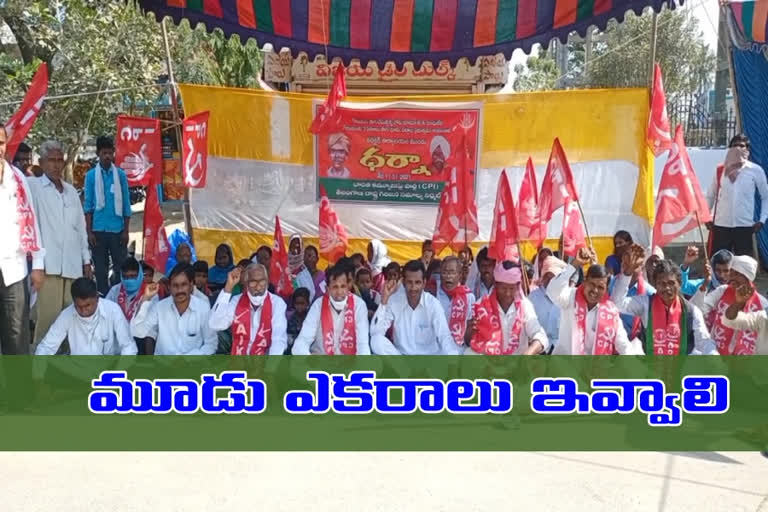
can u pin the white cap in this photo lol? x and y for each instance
(745, 265)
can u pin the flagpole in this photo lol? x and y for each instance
(584, 221)
(526, 284)
(177, 126)
(701, 234)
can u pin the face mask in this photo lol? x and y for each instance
(256, 300)
(338, 305)
(133, 285)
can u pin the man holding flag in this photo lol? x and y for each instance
(456, 299)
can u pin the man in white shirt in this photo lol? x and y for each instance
(590, 322)
(716, 303)
(19, 236)
(337, 323)
(456, 300)
(731, 197)
(484, 281)
(62, 231)
(417, 318)
(547, 312)
(505, 322)
(257, 317)
(93, 326)
(179, 323)
(129, 292)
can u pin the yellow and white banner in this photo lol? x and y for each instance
(261, 164)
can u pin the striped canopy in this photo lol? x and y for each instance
(748, 21)
(401, 30)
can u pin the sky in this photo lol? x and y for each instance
(705, 11)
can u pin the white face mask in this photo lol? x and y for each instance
(256, 300)
(338, 305)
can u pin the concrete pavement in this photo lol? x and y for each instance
(340, 482)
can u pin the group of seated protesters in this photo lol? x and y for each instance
(637, 303)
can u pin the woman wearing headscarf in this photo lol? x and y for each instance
(377, 256)
(299, 273)
(224, 264)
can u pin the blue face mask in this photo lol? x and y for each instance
(133, 285)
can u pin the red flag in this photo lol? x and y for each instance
(139, 150)
(504, 233)
(658, 130)
(194, 150)
(558, 186)
(279, 273)
(574, 234)
(21, 122)
(456, 223)
(679, 196)
(326, 118)
(528, 217)
(156, 248)
(333, 236)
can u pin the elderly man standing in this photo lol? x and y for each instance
(107, 213)
(20, 235)
(62, 231)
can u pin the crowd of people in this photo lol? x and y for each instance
(637, 302)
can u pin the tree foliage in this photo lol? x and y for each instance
(621, 58)
(103, 45)
(621, 55)
(540, 73)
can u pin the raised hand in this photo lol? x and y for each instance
(233, 279)
(390, 287)
(583, 257)
(691, 255)
(743, 293)
(150, 291)
(633, 259)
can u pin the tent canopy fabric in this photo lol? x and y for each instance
(401, 30)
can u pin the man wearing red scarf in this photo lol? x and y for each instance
(20, 234)
(337, 323)
(670, 324)
(590, 322)
(505, 321)
(730, 341)
(456, 299)
(257, 317)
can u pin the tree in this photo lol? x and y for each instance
(102, 45)
(621, 57)
(539, 74)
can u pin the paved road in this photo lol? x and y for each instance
(340, 482)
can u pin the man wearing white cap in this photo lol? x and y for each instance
(505, 322)
(738, 295)
(590, 323)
